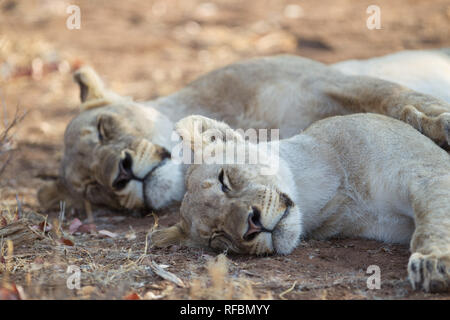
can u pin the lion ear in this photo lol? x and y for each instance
(50, 195)
(169, 236)
(93, 93)
(199, 131)
(91, 86)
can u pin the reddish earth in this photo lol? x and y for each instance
(146, 49)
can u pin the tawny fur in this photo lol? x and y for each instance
(285, 92)
(363, 175)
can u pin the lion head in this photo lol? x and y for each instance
(231, 206)
(116, 153)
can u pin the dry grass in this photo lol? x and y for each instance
(36, 254)
(6, 136)
(41, 262)
(217, 284)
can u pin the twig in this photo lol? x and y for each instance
(19, 207)
(5, 119)
(62, 211)
(16, 119)
(88, 210)
(166, 274)
(5, 137)
(287, 291)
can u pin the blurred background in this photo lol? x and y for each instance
(146, 49)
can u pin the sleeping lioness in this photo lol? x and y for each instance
(117, 151)
(362, 175)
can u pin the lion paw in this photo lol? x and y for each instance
(429, 272)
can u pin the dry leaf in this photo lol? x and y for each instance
(87, 228)
(6, 294)
(44, 226)
(39, 260)
(86, 292)
(66, 242)
(132, 296)
(166, 274)
(37, 264)
(151, 296)
(10, 292)
(35, 267)
(108, 233)
(75, 225)
(130, 236)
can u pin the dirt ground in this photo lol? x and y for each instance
(147, 49)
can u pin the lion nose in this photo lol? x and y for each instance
(125, 172)
(254, 224)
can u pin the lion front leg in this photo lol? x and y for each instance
(429, 264)
(436, 127)
(427, 114)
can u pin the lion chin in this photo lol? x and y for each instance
(165, 187)
(286, 235)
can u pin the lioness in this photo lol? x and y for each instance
(362, 175)
(117, 150)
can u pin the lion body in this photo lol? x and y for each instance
(291, 92)
(359, 176)
(375, 162)
(423, 71)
